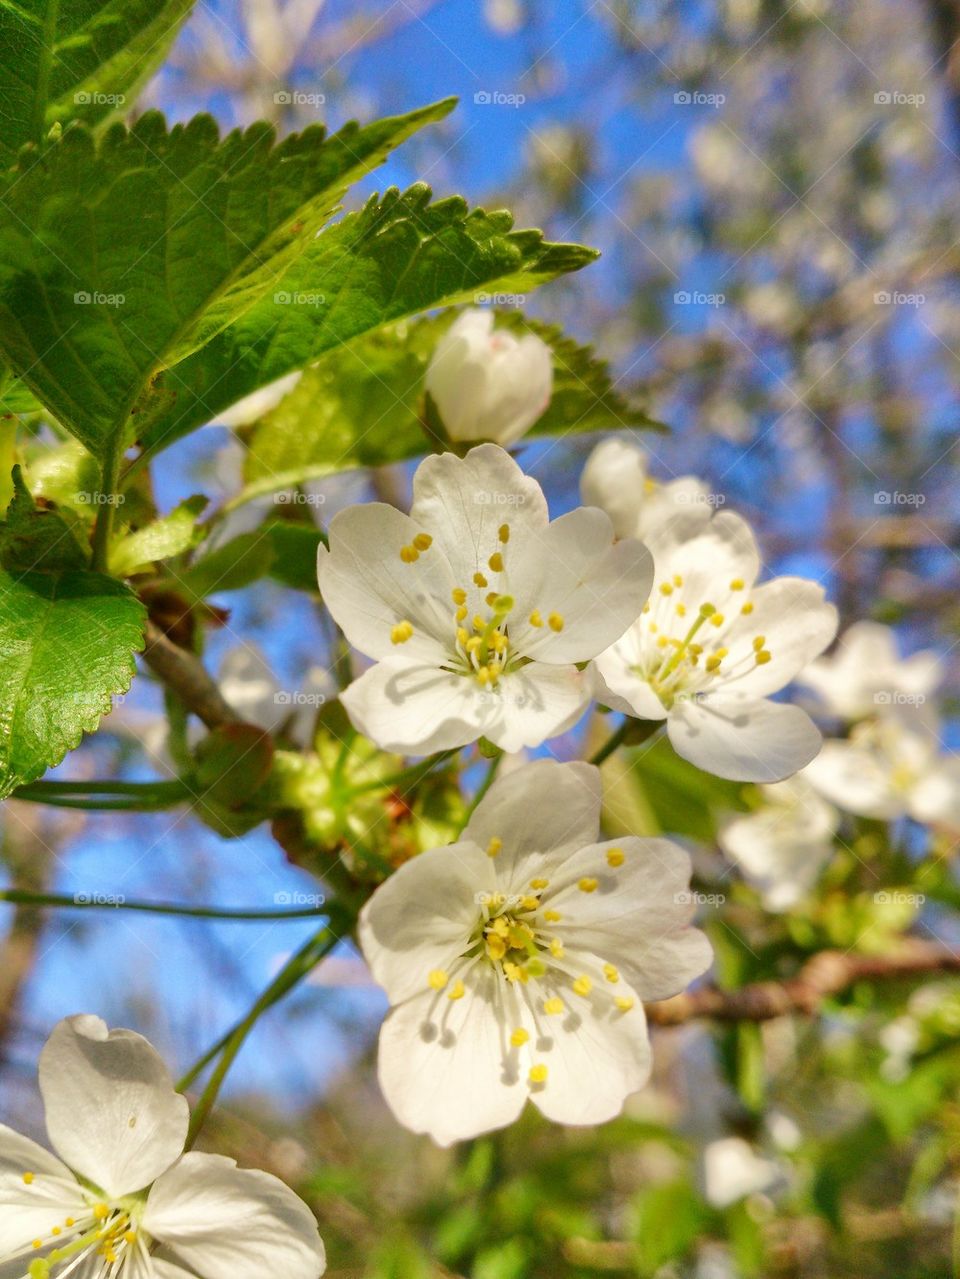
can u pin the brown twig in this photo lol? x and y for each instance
(826, 974)
(187, 677)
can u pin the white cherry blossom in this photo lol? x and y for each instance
(866, 674)
(617, 479)
(517, 960)
(732, 1170)
(711, 645)
(475, 607)
(783, 846)
(122, 1201)
(487, 383)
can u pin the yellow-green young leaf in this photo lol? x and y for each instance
(35, 538)
(364, 405)
(171, 535)
(120, 257)
(396, 257)
(82, 59)
(66, 647)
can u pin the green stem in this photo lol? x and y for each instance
(611, 744)
(148, 798)
(17, 897)
(109, 483)
(293, 971)
(160, 790)
(485, 785)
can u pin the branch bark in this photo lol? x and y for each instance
(826, 974)
(186, 675)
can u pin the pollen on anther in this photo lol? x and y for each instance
(423, 541)
(553, 1007)
(611, 973)
(461, 612)
(28, 1178)
(582, 986)
(555, 622)
(495, 845)
(496, 562)
(552, 916)
(457, 991)
(758, 642)
(535, 618)
(480, 580)
(459, 595)
(716, 619)
(539, 884)
(437, 979)
(737, 584)
(408, 554)
(538, 1074)
(101, 1212)
(615, 857)
(519, 1037)
(666, 588)
(681, 610)
(587, 885)
(624, 1003)
(556, 948)
(747, 608)
(503, 532)
(763, 657)
(400, 633)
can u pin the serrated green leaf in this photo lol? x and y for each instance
(119, 258)
(34, 538)
(364, 405)
(77, 60)
(171, 535)
(66, 646)
(396, 257)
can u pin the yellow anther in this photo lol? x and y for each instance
(473, 643)
(713, 662)
(681, 610)
(654, 628)
(408, 554)
(480, 580)
(496, 946)
(503, 532)
(763, 657)
(479, 623)
(38, 1243)
(28, 1178)
(463, 636)
(587, 885)
(491, 599)
(130, 1236)
(758, 642)
(513, 972)
(539, 884)
(737, 584)
(461, 613)
(555, 622)
(556, 948)
(535, 618)
(553, 1007)
(500, 925)
(615, 857)
(457, 991)
(666, 588)
(624, 1003)
(529, 903)
(747, 608)
(69, 1222)
(437, 979)
(663, 641)
(400, 633)
(677, 579)
(538, 1074)
(494, 847)
(519, 1037)
(716, 619)
(611, 973)
(695, 649)
(496, 562)
(423, 541)
(498, 642)
(483, 675)
(552, 916)
(582, 986)
(459, 595)
(101, 1212)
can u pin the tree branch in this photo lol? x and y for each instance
(186, 676)
(826, 974)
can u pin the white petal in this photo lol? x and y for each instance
(111, 1109)
(543, 810)
(615, 479)
(422, 917)
(575, 570)
(708, 555)
(258, 403)
(415, 708)
(224, 1222)
(777, 854)
(29, 1212)
(936, 796)
(795, 622)
(637, 917)
(617, 685)
(745, 740)
(855, 779)
(446, 1066)
(534, 703)
(369, 589)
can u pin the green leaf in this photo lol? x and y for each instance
(82, 59)
(66, 645)
(37, 538)
(668, 1218)
(280, 549)
(166, 537)
(120, 258)
(364, 405)
(398, 256)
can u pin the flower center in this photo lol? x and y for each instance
(100, 1241)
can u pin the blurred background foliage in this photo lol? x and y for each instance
(774, 189)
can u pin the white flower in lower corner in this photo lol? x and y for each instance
(123, 1201)
(487, 383)
(866, 674)
(711, 645)
(782, 848)
(518, 958)
(890, 768)
(475, 607)
(617, 479)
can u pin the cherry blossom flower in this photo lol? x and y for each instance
(616, 478)
(475, 607)
(487, 383)
(782, 848)
(711, 645)
(517, 960)
(733, 1170)
(123, 1201)
(866, 674)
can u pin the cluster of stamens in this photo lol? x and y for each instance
(107, 1233)
(517, 936)
(693, 660)
(481, 647)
